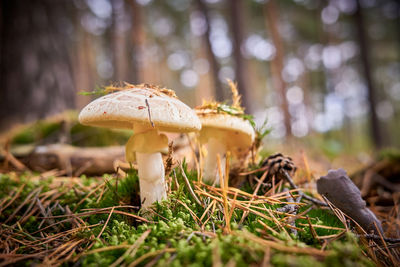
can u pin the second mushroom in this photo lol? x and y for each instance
(222, 132)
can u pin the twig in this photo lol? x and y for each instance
(35, 192)
(267, 257)
(207, 209)
(291, 208)
(13, 199)
(44, 213)
(149, 254)
(280, 246)
(197, 161)
(176, 180)
(105, 225)
(20, 231)
(106, 249)
(158, 257)
(88, 195)
(212, 205)
(188, 185)
(148, 111)
(194, 216)
(100, 211)
(224, 184)
(313, 232)
(293, 185)
(13, 160)
(131, 251)
(246, 213)
(385, 245)
(377, 237)
(169, 160)
(268, 227)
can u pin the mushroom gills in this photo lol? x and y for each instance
(145, 142)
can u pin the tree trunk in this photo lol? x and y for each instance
(136, 42)
(119, 44)
(271, 14)
(236, 16)
(376, 134)
(219, 94)
(83, 64)
(36, 77)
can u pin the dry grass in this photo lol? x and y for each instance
(66, 237)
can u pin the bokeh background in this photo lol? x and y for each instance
(317, 70)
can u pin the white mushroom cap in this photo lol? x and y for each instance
(236, 132)
(127, 107)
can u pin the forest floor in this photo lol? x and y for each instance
(51, 218)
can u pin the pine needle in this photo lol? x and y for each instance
(131, 251)
(105, 225)
(236, 98)
(150, 254)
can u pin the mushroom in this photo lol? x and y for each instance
(147, 110)
(223, 132)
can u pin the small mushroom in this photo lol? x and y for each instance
(147, 110)
(223, 132)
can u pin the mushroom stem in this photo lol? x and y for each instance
(211, 172)
(151, 178)
(151, 172)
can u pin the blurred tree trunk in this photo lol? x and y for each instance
(137, 39)
(119, 43)
(271, 14)
(83, 64)
(236, 15)
(36, 77)
(219, 94)
(305, 84)
(372, 93)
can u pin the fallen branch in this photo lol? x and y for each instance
(188, 185)
(91, 161)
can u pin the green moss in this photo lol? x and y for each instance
(347, 253)
(282, 259)
(91, 136)
(318, 217)
(172, 226)
(389, 153)
(46, 131)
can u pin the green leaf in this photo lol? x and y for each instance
(99, 91)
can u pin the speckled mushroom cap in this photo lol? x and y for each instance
(127, 107)
(237, 133)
